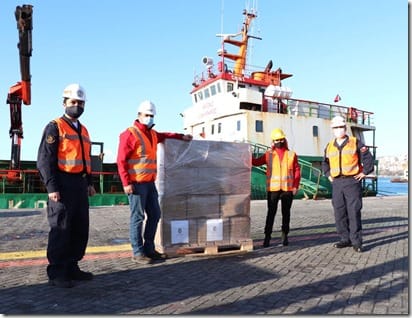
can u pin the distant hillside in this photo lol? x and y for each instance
(393, 165)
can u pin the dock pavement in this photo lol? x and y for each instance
(307, 277)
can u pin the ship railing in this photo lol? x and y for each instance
(310, 179)
(28, 181)
(257, 149)
(107, 182)
(370, 182)
(300, 107)
(297, 107)
(20, 181)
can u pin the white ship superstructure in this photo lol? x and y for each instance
(233, 102)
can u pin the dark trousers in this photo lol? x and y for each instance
(347, 205)
(273, 197)
(69, 227)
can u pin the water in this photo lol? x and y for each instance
(386, 187)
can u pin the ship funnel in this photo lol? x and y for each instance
(207, 61)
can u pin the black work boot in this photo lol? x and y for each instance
(266, 241)
(285, 240)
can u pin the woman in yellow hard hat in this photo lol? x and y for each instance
(282, 182)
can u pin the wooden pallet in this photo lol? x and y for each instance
(209, 250)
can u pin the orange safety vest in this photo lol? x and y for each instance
(345, 162)
(280, 175)
(142, 164)
(74, 150)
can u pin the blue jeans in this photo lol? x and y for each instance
(144, 199)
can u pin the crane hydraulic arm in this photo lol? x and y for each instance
(20, 92)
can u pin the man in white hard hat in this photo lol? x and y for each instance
(64, 165)
(346, 163)
(137, 166)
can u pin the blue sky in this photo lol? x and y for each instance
(126, 51)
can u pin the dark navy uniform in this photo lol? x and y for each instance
(346, 190)
(69, 217)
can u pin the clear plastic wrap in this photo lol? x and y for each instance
(204, 192)
(203, 167)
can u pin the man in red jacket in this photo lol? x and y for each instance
(282, 182)
(137, 166)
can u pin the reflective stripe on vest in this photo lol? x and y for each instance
(280, 175)
(142, 164)
(74, 149)
(344, 162)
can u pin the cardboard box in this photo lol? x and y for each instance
(213, 231)
(173, 207)
(234, 205)
(239, 228)
(168, 234)
(203, 206)
(204, 193)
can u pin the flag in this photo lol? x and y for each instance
(337, 98)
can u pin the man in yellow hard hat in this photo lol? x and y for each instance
(282, 182)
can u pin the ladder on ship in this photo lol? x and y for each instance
(310, 183)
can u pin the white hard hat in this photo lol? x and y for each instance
(74, 91)
(147, 107)
(338, 121)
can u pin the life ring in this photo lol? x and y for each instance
(353, 114)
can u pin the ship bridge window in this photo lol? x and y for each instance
(229, 87)
(218, 87)
(238, 125)
(315, 131)
(259, 125)
(250, 106)
(213, 90)
(212, 130)
(219, 128)
(207, 94)
(200, 94)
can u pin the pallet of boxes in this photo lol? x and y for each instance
(204, 196)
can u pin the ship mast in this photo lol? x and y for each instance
(240, 57)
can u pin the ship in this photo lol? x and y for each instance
(232, 101)
(403, 179)
(235, 101)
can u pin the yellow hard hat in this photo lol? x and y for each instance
(277, 133)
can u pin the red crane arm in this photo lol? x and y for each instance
(20, 92)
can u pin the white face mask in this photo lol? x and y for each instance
(148, 121)
(339, 132)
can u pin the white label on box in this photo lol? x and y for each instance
(214, 230)
(180, 231)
